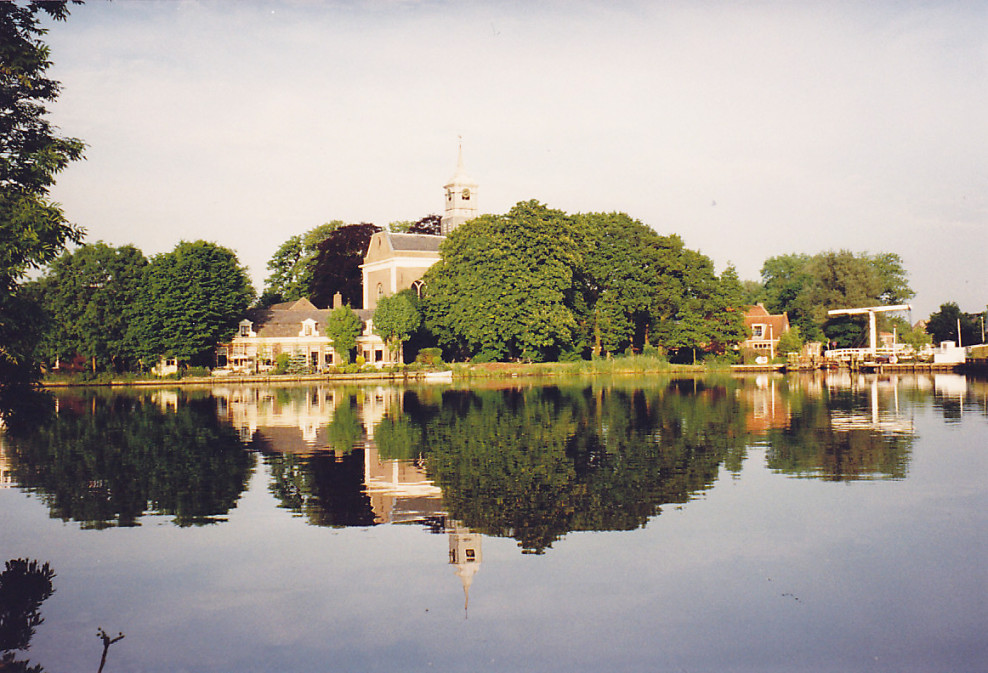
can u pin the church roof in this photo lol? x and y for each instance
(418, 242)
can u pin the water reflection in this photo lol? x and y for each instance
(527, 462)
(24, 586)
(107, 460)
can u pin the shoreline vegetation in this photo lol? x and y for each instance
(463, 372)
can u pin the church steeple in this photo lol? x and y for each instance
(461, 198)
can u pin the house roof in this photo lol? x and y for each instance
(285, 319)
(777, 323)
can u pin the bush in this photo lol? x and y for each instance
(281, 363)
(430, 356)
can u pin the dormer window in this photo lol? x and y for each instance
(308, 328)
(245, 328)
(757, 330)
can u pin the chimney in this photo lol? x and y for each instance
(337, 300)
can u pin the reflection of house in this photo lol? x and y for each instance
(6, 469)
(766, 330)
(297, 328)
(766, 407)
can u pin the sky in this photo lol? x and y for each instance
(750, 129)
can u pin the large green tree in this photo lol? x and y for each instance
(89, 296)
(505, 285)
(617, 277)
(293, 263)
(33, 229)
(192, 298)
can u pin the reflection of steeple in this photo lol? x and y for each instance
(466, 554)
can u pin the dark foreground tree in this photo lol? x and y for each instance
(33, 230)
(337, 267)
(192, 298)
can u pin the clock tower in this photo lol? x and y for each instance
(461, 198)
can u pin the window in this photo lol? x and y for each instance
(245, 329)
(380, 290)
(378, 355)
(471, 555)
(757, 330)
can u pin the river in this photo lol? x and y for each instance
(802, 523)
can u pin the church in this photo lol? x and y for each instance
(393, 262)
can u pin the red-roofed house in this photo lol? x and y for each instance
(766, 329)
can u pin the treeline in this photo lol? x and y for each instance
(111, 309)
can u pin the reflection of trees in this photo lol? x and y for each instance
(326, 489)
(814, 445)
(24, 586)
(536, 464)
(110, 460)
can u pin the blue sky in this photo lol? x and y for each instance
(750, 129)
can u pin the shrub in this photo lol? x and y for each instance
(281, 363)
(430, 356)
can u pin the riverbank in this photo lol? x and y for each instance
(626, 366)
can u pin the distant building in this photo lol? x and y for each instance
(297, 328)
(766, 329)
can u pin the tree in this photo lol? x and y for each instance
(89, 296)
(504, 286)
(293, 263)
(33, 229)
(337, 266)
(343, 327)
(430, 224)
(192, 298)
(396, 319)
(806, 287)
(616, 278)
(942, 325)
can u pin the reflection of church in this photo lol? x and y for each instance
(466, 553)
(294, 422)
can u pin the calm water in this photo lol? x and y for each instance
(790, 524)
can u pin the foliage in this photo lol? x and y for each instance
(89, 295)
(430, 224)
(192, 298)
(343, 327)
(396, 319)
(24, 586)
(281, 362)
(806, 287)
(790, 341)
(32, 228)
(942, 325)
(430, 356)
(293, 263)
(616, 279)
(502, 287)
(337, 265)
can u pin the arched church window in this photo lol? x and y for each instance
(417, 285)
(380, 290)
